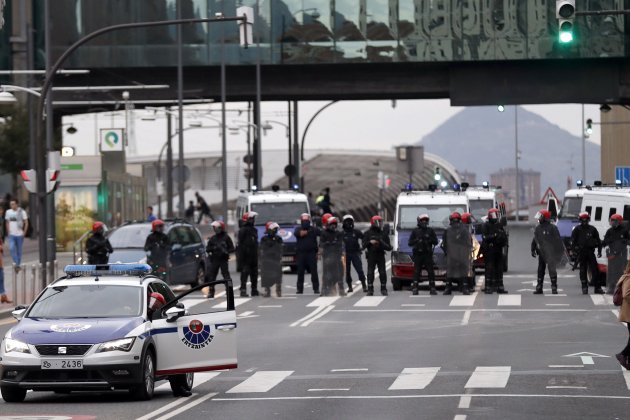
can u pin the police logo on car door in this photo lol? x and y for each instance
(196, 335)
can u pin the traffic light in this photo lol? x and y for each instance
(29, 176)
(589, 127)
(565, 13)
(52, 180)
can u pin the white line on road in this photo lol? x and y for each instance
(489, 377)
(246, 313)
(370, 301)
(270, 306)
(261, 381)
(323, 301)
(459, 417)
(350, 370)
(315, 312)
(464, 402)
(318, 316)
(557, 304)
(200, 378)
(466, 317)
(566, 366)
(601, 299)
(187, 407)
(413, 304)
(509, 300)
(464, 300)
(552, 295)
(327, 389)
(163, 409)
(565, 387)
(414, 378)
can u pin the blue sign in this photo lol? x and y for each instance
(622, 173)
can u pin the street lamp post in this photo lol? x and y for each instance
(288, 131)
(308, 125)
(517, 186)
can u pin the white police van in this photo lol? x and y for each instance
(410, 204)
(567, 217)
(93, 330)
(282, 207)
(482, 198)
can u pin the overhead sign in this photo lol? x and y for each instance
(111, 139)
(622, 173)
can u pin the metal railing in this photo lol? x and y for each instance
(27, 282)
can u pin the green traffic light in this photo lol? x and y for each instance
(566, 37)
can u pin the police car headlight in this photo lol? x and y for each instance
(11, 345)
(122, 344)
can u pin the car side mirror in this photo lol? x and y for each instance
(172, 314)
(176, 247)
(18, 312)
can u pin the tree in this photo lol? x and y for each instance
(14, 144)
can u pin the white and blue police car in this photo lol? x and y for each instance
(97, 328)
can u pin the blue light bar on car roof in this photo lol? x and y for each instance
(108, 270)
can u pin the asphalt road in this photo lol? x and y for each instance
(515, 356)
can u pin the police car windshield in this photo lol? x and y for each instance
(88, 301)
(281, 213)
(479, 208)
(438, 215)
(570, 208)
(132, 236)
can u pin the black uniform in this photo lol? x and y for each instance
(157, 246)
(351, 238)
(423, 239)
(331, 242)
(98, 248)
(584, 240)
(248, 257)
(219, 248)
(271, 263)
(547, 245)
(616, 239)
(306, 254)
(376, 256)
(493, 239)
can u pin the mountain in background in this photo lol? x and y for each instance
(481, 140)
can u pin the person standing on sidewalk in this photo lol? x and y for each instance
(3, 295)
(16, 221)
(624, 315)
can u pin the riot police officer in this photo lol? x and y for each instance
(468, 220)
(219, 248)
(548, 247)
(616, 240)
(248, 253)
(493, 239)
(457, 246)
(351, 238)
(157, 246)
(271, 260)
(422, 240)
(331, 241)
(584, 241)
(97, 245)
(376, 242)
(306, 252)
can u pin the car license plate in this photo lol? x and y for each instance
(62, 364)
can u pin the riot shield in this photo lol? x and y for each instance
(459, 252)
(550, 245)
(270, 261)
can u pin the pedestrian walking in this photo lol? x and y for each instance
(203, 207)
(457, 246)
(352, 239)
(97, 245)
(331, 242)
(616, 241)
(3, 294)
(376, 243)
(493, 240)
(468, 220)
(157, 246)
(248, 253)
(306, 252)
(548, 247)
(423, 240)
(190, 212)
(150, 216)
(325, 203)
(16, 225)
(585, 240)
(271, 260)
(219, 248)
(624, 315)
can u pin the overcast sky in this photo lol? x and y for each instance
(353, 125)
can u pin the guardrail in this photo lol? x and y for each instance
(27, 282)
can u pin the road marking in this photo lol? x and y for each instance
(261, 381)
(167, 407)
(464, 300)
(557, 304)
(626, 376)
(270, 306)
(466, 317)
(476, 310)
(489, 377)
(315, 312)
(557, 295)
(318, 316)
(601, 299)
(414, 378)
(565, 387)
(237, 302)
(350, 370)
(323, 301)
(245, 314)
(327, 389)
(587, 357)
(509, 300)
(566, 366)
(459, 417)
(187, 407)
(413, 304)
(370, 301)
(464, 402)
(199, 379)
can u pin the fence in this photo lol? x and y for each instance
(27, 282)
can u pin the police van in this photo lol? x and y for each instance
(410, 204)
(567, 217)
(482, 198)
(282, 207)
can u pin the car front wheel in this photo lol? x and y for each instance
(144, 390)
(200, 277)
(13, 395)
